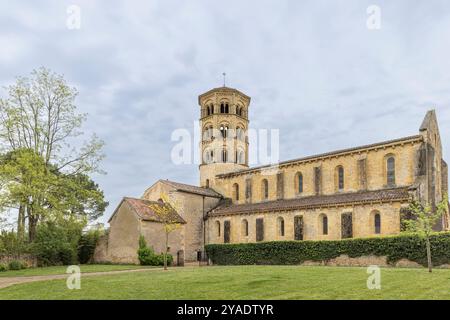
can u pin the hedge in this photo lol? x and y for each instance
(407, 246)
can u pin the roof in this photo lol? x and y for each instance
(383, 195)
(321, 155)
(208, 192)
(142, 208)
(223, 89)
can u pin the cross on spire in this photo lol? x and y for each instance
(224, 75)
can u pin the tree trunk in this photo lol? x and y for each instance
(21, 223)
(165, 252)
(430, 266)
(32, 224)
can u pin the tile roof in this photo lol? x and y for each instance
(383, 195)
(192, 189)
(143, 210)
(327, 154)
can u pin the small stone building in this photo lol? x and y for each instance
(355, 192)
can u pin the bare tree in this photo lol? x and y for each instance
(166, 211)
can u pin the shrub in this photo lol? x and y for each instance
(407, 246)
(10, 244)
(16, 265)
(56, 244)
(148, 257)
(3, 267)
(87, 244)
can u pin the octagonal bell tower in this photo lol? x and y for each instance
(224, 125)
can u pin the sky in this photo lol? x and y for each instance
(328, 74)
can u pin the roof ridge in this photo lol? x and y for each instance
(196, 189)
(396, 193)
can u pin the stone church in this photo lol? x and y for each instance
(355, 192)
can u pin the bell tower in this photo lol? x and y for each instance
(223, 125)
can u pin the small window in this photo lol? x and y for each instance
(224, 131)
(236, 192)
(259, 229)
(244, 228)
(241, 158)
(218, 228)
(207, 183)
(324, 224)
(281, 226)
(299, 182)
(298, 228)
(390, 170)
(224, 156)
(208, 156)
(377, 223)
(340, 170)
(265, 189)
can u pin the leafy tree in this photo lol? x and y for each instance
(25, 181)
(422, 220)
(165, 210)
(46, 191)
(40, 115)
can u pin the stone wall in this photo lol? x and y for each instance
(29, 260)
(192, 208)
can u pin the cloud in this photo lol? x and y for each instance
(312, 68)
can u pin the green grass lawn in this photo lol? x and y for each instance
(245, 282)
(62, 270)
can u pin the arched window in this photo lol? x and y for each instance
(340, 177)
(207, 183)
(244, 228)
(224, 156)
(280, 222)
(323, 224)
(265, 189)
(211, 109)
(236, 192)
(224, 107)
(377, 222)
(208, 156)
(299, 182)
(218, 228)
(390, 171)
(224, 131)
(240, 159)
(240, 134)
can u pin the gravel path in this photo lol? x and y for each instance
(6, 282)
